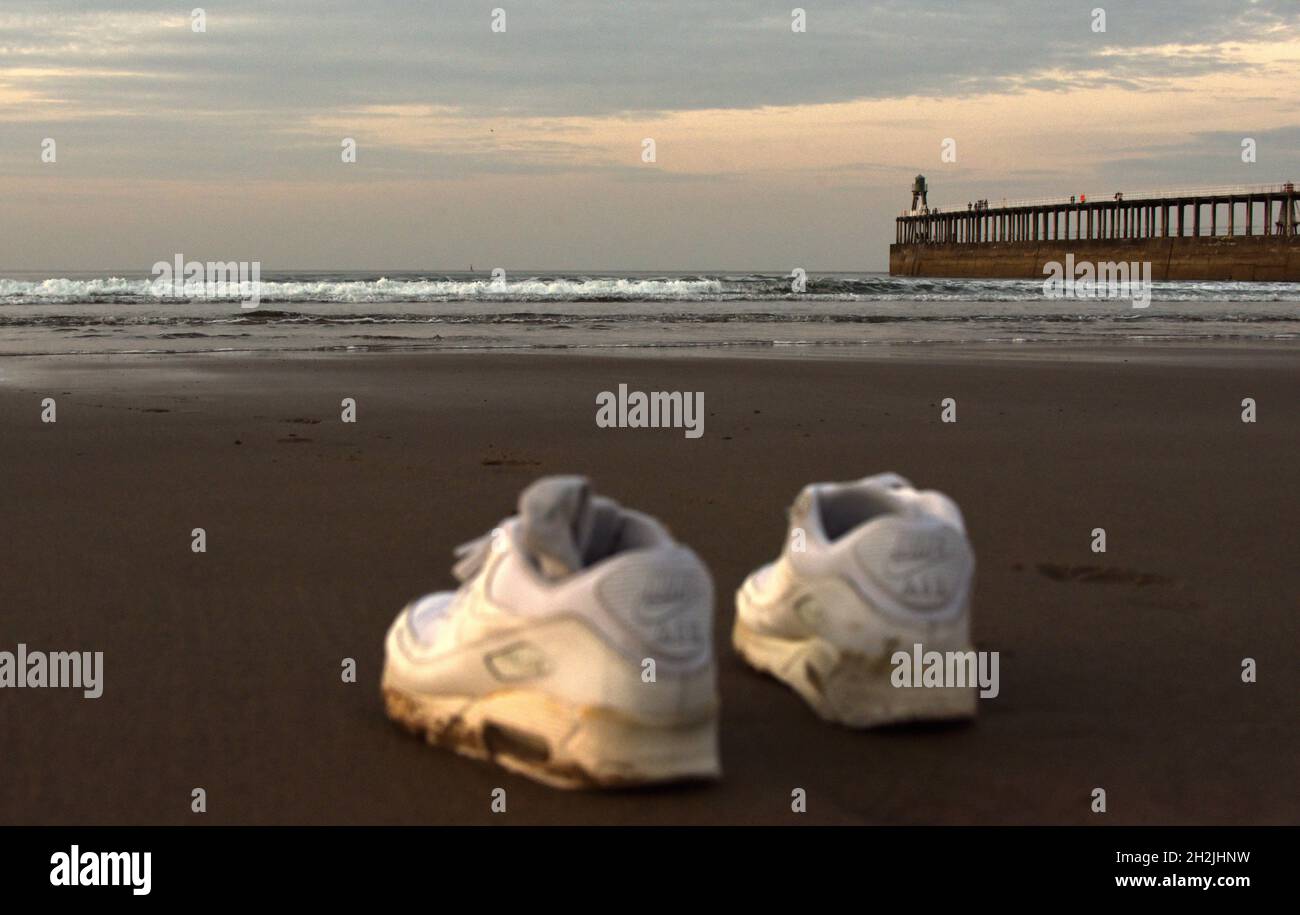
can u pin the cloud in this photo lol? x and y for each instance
(743, 110)
(594, 58)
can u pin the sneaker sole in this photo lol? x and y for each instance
(558, 744)
(847, 688)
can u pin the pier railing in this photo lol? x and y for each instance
(1265, 209)
(1166, 193)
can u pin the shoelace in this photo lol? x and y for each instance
(472, 555)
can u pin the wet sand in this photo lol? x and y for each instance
(1118, 670)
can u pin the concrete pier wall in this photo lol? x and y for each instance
(1259, 258)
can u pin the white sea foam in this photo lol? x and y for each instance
(382, 289)
(521, 287)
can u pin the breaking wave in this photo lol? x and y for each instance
(360, 289)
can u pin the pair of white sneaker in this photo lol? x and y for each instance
(578, 649)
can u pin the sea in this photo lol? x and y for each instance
(59, 313)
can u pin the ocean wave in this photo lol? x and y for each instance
(442, 288)
(121, 290)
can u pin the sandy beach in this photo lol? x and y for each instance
(222, 670)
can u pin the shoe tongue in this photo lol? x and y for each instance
(556, 521)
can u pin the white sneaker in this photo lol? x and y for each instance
(869, 568)
(578, 650)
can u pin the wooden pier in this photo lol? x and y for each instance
(1240, 233)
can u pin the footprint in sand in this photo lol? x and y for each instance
(1101, 574)
(509, 462)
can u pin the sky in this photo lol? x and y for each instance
(523, 148)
